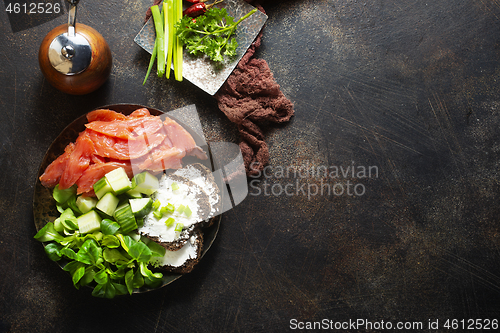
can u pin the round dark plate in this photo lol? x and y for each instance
(44, 208)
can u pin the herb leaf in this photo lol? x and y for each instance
(89, 252)
(53, 251)
(210, 34)
(48, 233)
(140, 252)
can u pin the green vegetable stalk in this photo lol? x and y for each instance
(160, 39)
(170, 24)
(178, 47)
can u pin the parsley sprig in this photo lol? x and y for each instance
(210, 34)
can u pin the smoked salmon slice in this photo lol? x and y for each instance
(105, 115)
(139, 113)
(128, 129)
(94, 172)
(181, 139)
(121, 149)
(108, 146)
(162, 158)
(54, 171)
(78, 161)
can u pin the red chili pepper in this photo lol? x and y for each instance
(195, 10)
(198, 9)
(196, 1)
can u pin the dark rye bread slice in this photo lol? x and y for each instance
(203, 176)
(199, 216)
(183, 260)
(174, 245)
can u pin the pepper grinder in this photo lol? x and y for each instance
(75, 58)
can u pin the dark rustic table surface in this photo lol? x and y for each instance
(406, 90)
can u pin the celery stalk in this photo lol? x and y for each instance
(158, 21)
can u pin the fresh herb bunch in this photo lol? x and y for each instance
(210, 34)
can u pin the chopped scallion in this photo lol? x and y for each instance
(156, 204)
(169, 221)
(178, 46)
(160, 36)
(169, 208)
(187, 211)
(170, 21)
(158, 214)
(178, 227)
(151, 62)
(165, 26)
(180, 209)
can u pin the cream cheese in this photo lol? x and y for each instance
(184, 195)
(197, 177)
(179, 257)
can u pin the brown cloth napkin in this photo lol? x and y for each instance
(251, 97)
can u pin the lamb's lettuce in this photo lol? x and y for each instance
(107, 260)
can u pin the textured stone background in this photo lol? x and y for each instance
(407, 86)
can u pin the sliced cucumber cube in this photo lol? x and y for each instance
(119, 181)
(141, 207)
(85, 204)
(125, 218)
(108, 203)
(145, 183)
(101, 187)
(89, 222)
(133, 194)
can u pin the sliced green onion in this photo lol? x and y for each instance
(175, 186)
(158, 21)
(151, 62)
(180, 209)
(156, 204)
(178, 44)
(158, 214)
(169, 208)
(169, 221)
(178, 227)
(165, 26)
(187, 211)
(171, 29)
